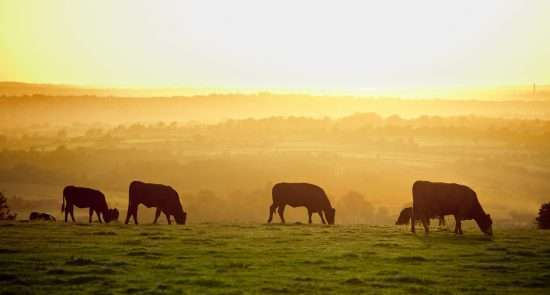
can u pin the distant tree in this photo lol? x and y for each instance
(354, 208)
(543, 220)
(4, 209)
(382, 215)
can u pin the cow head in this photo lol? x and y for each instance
(404, 217)
(181, 218)
(110, 215)
(330, 215)
(485, 223)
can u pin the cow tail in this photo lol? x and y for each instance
(63, 204)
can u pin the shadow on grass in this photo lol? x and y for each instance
(88, 279)
(144, 254)
(131, 242)
(63, 272)
(452, 239)
(403, 279)
(8, 251)
(104, 233)
(498, 268)
(522, 253)
(540, 281)
(274, 290)
(78, 261)
(387, 245)
(11, 279)
(354, 282)
(410, 259)
(203, 282)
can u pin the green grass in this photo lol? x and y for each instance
(279, 259)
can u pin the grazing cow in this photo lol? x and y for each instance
(163, 197)
(301, 195)
(37, 216)
(405, 217)
(83, 197)
(439, 199)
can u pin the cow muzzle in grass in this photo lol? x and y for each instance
(330, 214)
(181, 219)
(111, 215)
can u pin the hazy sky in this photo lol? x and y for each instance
(276, 44)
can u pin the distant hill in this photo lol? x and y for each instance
(25, 104)
(19, 89)
(521, 92)
(62, 110)
(22, 89)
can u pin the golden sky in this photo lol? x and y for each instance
(311, 45)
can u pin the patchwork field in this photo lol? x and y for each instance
(254, 258)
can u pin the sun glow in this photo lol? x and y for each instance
(304, 45)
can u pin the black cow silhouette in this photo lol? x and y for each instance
(83, 197)
(163, 197)
(405, 217)
(37, 216)
(301, 195)
(437, 199)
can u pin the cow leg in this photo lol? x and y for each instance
(67, 212)
(309, 213)
(426, 224)
(168, 218)
(135, 215)
(91, 213)
(72, 213)
(413, 221)
(272, 209)
(281, 211)
(157, 214)
(98, 216)
(322, 218)
(457, 224)
(127, 215)
(442, 220)
(132, 212)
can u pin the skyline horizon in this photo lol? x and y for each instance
(451, 92)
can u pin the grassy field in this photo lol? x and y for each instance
(254, 258)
